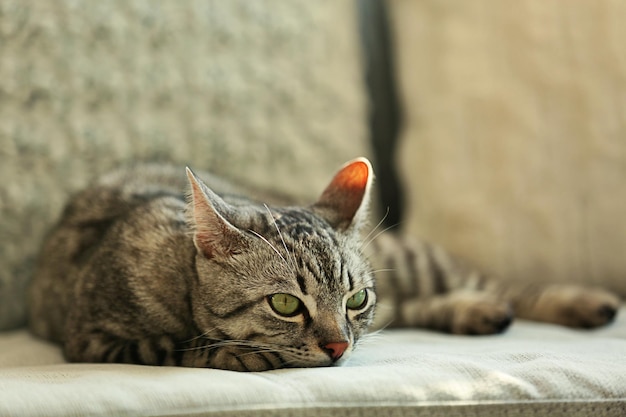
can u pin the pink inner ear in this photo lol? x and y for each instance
(352, 178)
(347, 190)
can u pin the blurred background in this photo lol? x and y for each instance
(496, 127)
(514, 143)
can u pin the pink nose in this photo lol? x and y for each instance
(336, 349)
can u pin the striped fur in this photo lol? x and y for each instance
(137, 272)
(420, 285)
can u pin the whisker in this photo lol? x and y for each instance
(237, 343)
(377, 332)
(293, 258)
(378, 225)
(271, 246)
(384, 270)
(215, 343)
(210, 346)
(288, 356)
(261, 350)
(373, 336)
(198, 337)
(364, 245)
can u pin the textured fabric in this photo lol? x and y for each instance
(268, 93)
(515, 133)
(533, 369)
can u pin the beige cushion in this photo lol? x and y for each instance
(515, 143)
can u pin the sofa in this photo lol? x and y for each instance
(494, 128)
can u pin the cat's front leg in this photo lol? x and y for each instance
(565, 304)
(104, 347)
(458, 312)
(99, 347)
(244, 359)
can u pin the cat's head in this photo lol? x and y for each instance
(284, 287)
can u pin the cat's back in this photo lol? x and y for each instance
(122, 212)
(136, 197)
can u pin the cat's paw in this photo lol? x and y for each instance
(576, 306)
(245, 360)
(480, 315)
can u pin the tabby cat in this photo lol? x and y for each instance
(137, 272)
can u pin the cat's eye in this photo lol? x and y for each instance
(285, 304)
(358, 300)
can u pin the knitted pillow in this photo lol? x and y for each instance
(268, 93)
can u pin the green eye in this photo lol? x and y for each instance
(357, 301)
(285, 304)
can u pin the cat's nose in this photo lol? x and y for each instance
(335, 349)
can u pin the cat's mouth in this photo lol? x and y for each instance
(326, 354)
(263, 356)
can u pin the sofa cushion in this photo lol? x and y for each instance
(514, 144)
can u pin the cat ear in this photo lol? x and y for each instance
(213, 235)
(345, 200)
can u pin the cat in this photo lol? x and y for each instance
(148, 267)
